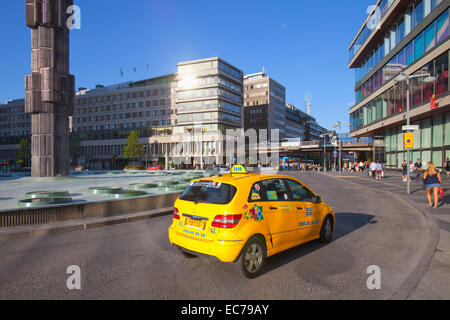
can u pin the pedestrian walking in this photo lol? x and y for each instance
(404, 170)
(433, 183)
(373, 169)
(379, 170)
(417, 169)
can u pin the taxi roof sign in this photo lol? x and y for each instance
(239, 169)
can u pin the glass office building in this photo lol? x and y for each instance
(209, 96)
(209, 102)
(411, 37)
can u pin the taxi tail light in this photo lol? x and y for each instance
(226, 221)
(176, 214)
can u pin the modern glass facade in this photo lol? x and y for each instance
(417, 43)
(431, 142)
(393, 100)
(365, 33)
(209, 97)
(435, 33)
(407, 22)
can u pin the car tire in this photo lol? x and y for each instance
(326, 232)
(253, 257)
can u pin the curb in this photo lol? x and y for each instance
(413, 280)
(40, 231)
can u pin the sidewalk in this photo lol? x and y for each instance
(434, 269)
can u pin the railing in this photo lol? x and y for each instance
(78, 211)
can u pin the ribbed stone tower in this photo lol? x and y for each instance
(49, 89)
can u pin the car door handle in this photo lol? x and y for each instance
(273, 208)
(299, 208)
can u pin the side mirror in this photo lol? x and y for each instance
(317, 199)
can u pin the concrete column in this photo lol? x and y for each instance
(49, 89)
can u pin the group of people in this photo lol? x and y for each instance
(432, 179)
(415, 170)
(372, 168)
(302, 166)
(354, 166)
(375, 169)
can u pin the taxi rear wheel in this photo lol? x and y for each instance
(326, 233)
(253, 257)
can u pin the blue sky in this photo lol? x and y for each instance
(302, 44)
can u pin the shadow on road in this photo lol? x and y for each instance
(345, 224)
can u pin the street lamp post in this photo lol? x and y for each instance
(324, 136)
(400, 78)
(339, 124)
(334, 153)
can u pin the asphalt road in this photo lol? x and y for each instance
(135, 261)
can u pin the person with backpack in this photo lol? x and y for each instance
(433, 181)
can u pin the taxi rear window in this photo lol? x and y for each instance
(209, 192)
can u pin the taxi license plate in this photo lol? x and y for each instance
(195, 224)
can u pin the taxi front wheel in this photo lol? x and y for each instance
(253, 257)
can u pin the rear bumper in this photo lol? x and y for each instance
(225, 251)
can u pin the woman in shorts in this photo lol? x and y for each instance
(379, 170)
(433, 181)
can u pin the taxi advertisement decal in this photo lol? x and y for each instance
(255, 213)
(206, 184)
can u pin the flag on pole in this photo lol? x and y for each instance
(134, 69)
(148, 67)
(121, 72)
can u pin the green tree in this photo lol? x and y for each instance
(133, 150)
(161, 162)
(24, 152)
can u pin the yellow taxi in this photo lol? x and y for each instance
(247, 217)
